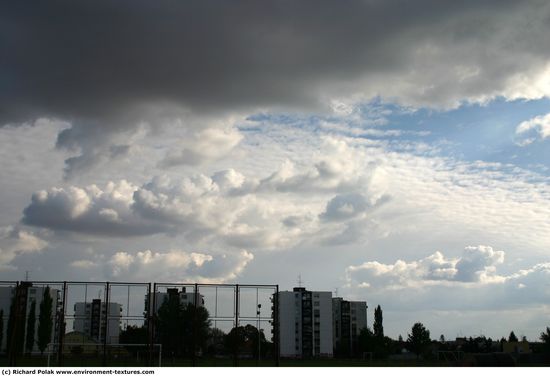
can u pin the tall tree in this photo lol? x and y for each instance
(545, 338)
(179, 326)
(1, 327)
(377, 327)
(45, 321)
(31, 322)
(418, 339)
(512, 337)
(16, 328)
(170, 325)
(196, 323)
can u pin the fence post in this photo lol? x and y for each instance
(149, 325)
(236, 360)
(277, 337)
(61, 326)
(106, 332)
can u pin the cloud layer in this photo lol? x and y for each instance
(14, 242)
(192, 64)
(200, 56)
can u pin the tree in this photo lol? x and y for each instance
(442, 338)
(133, 334)
(31, 322)
(512, 337)
(196, 324)
(235, 340)
(419, 339)
(180, 326)
(377, 326)
(545, 338)
(45, 321)
(215, 341)
(16, 328)
(170, 330)
(1, 327)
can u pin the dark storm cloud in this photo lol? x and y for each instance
(110, 62)
(106, 66)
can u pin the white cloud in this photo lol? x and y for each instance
(536, 128)
(14, 242)
(476, 265)
(178, 265)
(203, 146)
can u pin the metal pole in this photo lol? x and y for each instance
(195, 319)
(236, 360)
(153, 315)
(106, 332)
(148, 322)
(259, 336)
(61, 328)
(276, 327)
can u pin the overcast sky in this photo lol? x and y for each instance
(396, 151)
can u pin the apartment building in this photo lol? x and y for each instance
(348, 318)
(305, 323)
(98, 320)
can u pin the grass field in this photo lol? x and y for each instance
(41, 361)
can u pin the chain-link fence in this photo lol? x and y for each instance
(48, 323)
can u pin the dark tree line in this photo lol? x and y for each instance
(20, 332)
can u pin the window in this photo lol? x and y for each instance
(316, 303)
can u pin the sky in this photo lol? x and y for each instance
(389, 151)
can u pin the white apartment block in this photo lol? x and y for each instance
(349, 318)
(29, 294)
(305, 323)
(96, 320)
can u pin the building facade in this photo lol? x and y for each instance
(348, 319)
(305, 323)
(98, 320)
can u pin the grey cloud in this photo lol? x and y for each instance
(476, 261)
(90, 211)
(349, 205)
(111, 65)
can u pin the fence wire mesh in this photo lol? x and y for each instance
(71, 323)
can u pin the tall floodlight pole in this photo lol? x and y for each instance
(259, 336)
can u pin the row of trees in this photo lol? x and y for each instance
(420, 343)
(20, 333)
